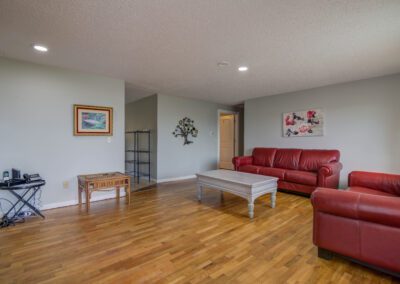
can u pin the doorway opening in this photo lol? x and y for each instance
(228, 134)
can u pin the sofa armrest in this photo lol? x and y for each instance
(378, 181)
(330, 169)
(241, 161)
(378, 209)
(335, 202)
(329, 175)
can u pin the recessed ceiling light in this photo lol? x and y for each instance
(243, 68)
(40, 48)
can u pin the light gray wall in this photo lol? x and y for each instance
(174, 159)
(361, 120)
(36, 125)
(241, 130)
(140, 115)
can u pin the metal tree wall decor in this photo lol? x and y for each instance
(185, 128)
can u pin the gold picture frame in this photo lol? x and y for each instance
(93, 120)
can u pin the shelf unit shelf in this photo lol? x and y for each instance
(141, 151)
(137, 151)
(137, 162)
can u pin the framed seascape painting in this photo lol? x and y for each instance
(303, 123)
(93, 120)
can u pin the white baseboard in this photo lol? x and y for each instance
(59, 204)
(76, 202)
(175, 179)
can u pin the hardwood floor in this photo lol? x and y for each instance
(166, 236)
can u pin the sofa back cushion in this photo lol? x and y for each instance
(389, 183)
(311, 160)
(287, 158)
(264, 156)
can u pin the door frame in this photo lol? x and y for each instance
(236, 141)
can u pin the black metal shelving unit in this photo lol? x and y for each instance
(141, 155)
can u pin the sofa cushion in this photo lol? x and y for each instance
(250, 169)
(311, 160)
(287, 158)
(264, 156)
(367, 190)
(302, 177)
(389, 183)
(273, 172)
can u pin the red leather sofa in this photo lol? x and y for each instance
(298, 170)
(361, 223)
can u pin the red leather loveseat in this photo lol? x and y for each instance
(298, 170)
(361, 223)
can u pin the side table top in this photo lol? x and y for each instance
(102, 176)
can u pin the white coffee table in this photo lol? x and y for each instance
(248, 186)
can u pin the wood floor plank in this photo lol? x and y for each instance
(166, 236)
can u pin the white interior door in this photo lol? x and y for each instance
(227, 141)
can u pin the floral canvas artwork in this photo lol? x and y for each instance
(303, 123)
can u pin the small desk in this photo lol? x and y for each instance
(103, 182)
(24, 199)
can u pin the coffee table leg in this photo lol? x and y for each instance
(273, 199)
(222, 195)
(251, 208)
(199, 192)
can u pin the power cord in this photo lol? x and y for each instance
(1, 207)
(5, 221)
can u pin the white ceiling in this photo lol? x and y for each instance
(172, 47)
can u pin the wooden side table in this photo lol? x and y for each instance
(103, 182)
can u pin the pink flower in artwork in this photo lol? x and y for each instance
(304, 129)
(311, 114)
(289, 121)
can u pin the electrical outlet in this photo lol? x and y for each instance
(66, 184)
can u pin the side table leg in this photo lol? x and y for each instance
(199, 192)
(87, 199)
(117, 189)
(80, 195)
(273, 199)
(128, 193)
(251, 208)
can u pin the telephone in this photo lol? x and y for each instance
(32, 178)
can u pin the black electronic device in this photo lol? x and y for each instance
(13, 182)
(32, 178)
(6, 176)
(15, 174)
